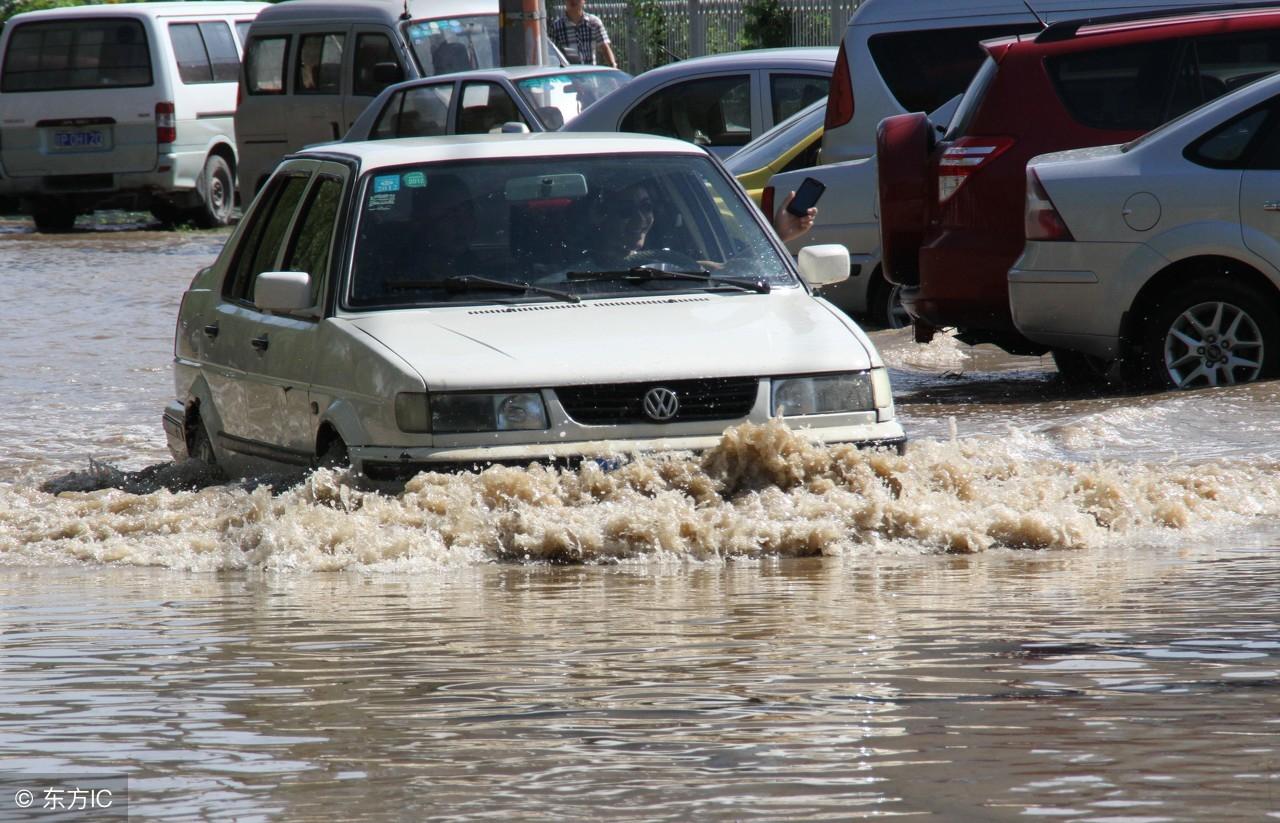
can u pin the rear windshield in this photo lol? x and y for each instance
(102, 53)
(925, 69)
(559, 98)
(454, 44)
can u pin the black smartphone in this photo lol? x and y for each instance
(806, 197)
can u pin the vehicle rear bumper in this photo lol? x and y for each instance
(964, 281)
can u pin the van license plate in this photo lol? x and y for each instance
(84, 139)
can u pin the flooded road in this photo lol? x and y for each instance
(1055, 606)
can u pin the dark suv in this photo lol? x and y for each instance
(952, 208)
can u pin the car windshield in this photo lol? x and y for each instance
(562, 228)
(768, 146)
(450, 44)
(558, 98)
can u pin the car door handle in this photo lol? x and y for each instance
(211, 331)
(260, 343)
(1271, 205)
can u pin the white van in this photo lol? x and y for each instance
(899, 57)
(124, 105)
(312, 66)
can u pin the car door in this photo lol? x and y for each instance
(375, 64)
(789, 91)
(261, 361)
(1255, 137)
(316, 100)
(484, 105)
(417, 111)
(716, 111)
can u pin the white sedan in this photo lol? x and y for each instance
(428, 303)
(1161, 256)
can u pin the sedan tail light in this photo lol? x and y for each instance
(166, 123)
(1043, 222)
(964, 158)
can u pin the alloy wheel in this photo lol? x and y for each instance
(1213, 344)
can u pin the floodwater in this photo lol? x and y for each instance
(1055, 606)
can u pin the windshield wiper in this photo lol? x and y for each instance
(472, 282)
(651, 273)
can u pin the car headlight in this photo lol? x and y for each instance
(827, 394)
(461, 412)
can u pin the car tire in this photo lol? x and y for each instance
(53, 218)
(216, 188)
(1076, 369)
(890, 312)
(1212, 331)
(335, 455)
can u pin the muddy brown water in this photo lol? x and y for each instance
(1055, 606)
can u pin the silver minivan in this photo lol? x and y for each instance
(312, 66)
(124, 105)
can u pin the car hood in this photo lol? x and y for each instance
(621, 340)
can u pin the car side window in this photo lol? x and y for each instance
(792, 92)
(312, 242)
(1126, 88)
(924, 69)
(1229, 145)
(485, 106)
(418, 112)
(372, 50)
(319, 66)
(709, 111)
(206, 52)
(264, 65)
(805, 159)
(262, 238)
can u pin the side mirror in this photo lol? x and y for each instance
(387, 73)
(282, 291)
(824, 265)
(511, 127)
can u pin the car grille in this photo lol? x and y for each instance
(716, 398)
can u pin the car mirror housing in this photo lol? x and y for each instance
(824, 265)
(282, 291)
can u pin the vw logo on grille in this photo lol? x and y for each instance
(661, 404)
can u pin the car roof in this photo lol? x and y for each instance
(209, 8)
(881, 12)
(374, 154)
(753, 58)
(509, 72)
(373, 10)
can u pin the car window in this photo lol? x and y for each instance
(792, 92)
(372, 49)
(709, 111)
(260, 247)
(264, 65)
(485, 106)
(1228, 145)
(558, 98)
(778, 140)
(924, 69)
(206, 52)
(445, 45)
(574, 225)
(76, 54)
(312, 242)
(1125, 88)
(242, 31)
(318, 69)
(422, 111)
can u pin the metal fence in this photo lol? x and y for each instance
(648, 33)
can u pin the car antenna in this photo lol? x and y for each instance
(404, 15)
(1034, 14)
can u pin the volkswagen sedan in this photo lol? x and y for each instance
(407, 305)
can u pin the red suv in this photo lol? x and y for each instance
(952, 208)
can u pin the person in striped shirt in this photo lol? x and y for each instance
(581, 36)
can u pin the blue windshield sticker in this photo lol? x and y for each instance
(415, 180)
(385, 183)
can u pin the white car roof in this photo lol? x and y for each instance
(378, 153)
(375, 10)
(754, 58)
(881, 12)
(210, 8)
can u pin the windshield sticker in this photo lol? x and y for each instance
(381, 202)
(386, 183)
(415, 180)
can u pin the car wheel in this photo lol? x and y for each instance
(1079, 369)
(335, 455)
(53, 218)
(217, 194)
(1213, 331)
(895, 314)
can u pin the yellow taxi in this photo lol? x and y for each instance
(792, 144)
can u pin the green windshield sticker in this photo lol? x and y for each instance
(415, 180)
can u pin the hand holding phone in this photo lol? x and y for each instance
(806, 197)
